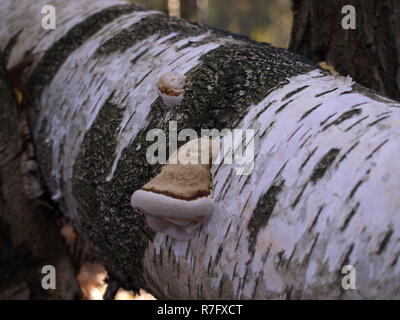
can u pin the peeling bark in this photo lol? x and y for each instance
(323, 193)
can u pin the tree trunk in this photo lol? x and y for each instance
(323, 192)
(29, 238)
(189, 10)
(370, 53)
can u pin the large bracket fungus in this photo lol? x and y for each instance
(179, 198)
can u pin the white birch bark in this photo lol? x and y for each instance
(324, 191)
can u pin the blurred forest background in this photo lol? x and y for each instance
(261, 20)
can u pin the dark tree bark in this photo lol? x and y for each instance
(29, 237)
(370, 54)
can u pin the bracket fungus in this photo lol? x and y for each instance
(171, 88)
(179, 198)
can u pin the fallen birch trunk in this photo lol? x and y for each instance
(324, 190)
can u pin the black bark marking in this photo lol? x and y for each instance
(323, 165)
(234, 271)
(307, 258)
(141, 54)
(356, 123)
(245, 183)
(54, 57)
(176, 59)
(219, 166)
(259, 113)
(346, 258)
(377, 121)
(267, 129)
(288, 261)
(238, 241)
(283, 106)
(262, 213)
(305, 141)
(307, 113)
(209, 265)
(325, 92)
(280, 170)
(324, 74)
(384, 113)
(228, 229)
(129, 120)
(359, 104)
(243, 283)
(144, 77)
(162, 51)
(370, 93)
(355, 188)
(385, 241)
(376, 149)
(307, 159)
(327, 119)
(280, 259)
(348, 152)
(245, 205)
(255, 287)
(227, 180)
(224, 192)
(169, 251)
(297, 130)
(349, 216)
(292, 93)
(266, 254)
(187, 252)
(345, 116)
(297, 199)
(206, 239)
(394, 262)
(304, 134)
(316, 218)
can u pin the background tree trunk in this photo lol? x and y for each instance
(189, 10)
(370, 54)
(29, 238)
(323, 192)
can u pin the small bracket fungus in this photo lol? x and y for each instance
(171, 88)
(179, 198)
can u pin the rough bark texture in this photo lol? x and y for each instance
(370, 53)
(29, 237)
(323, 192)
